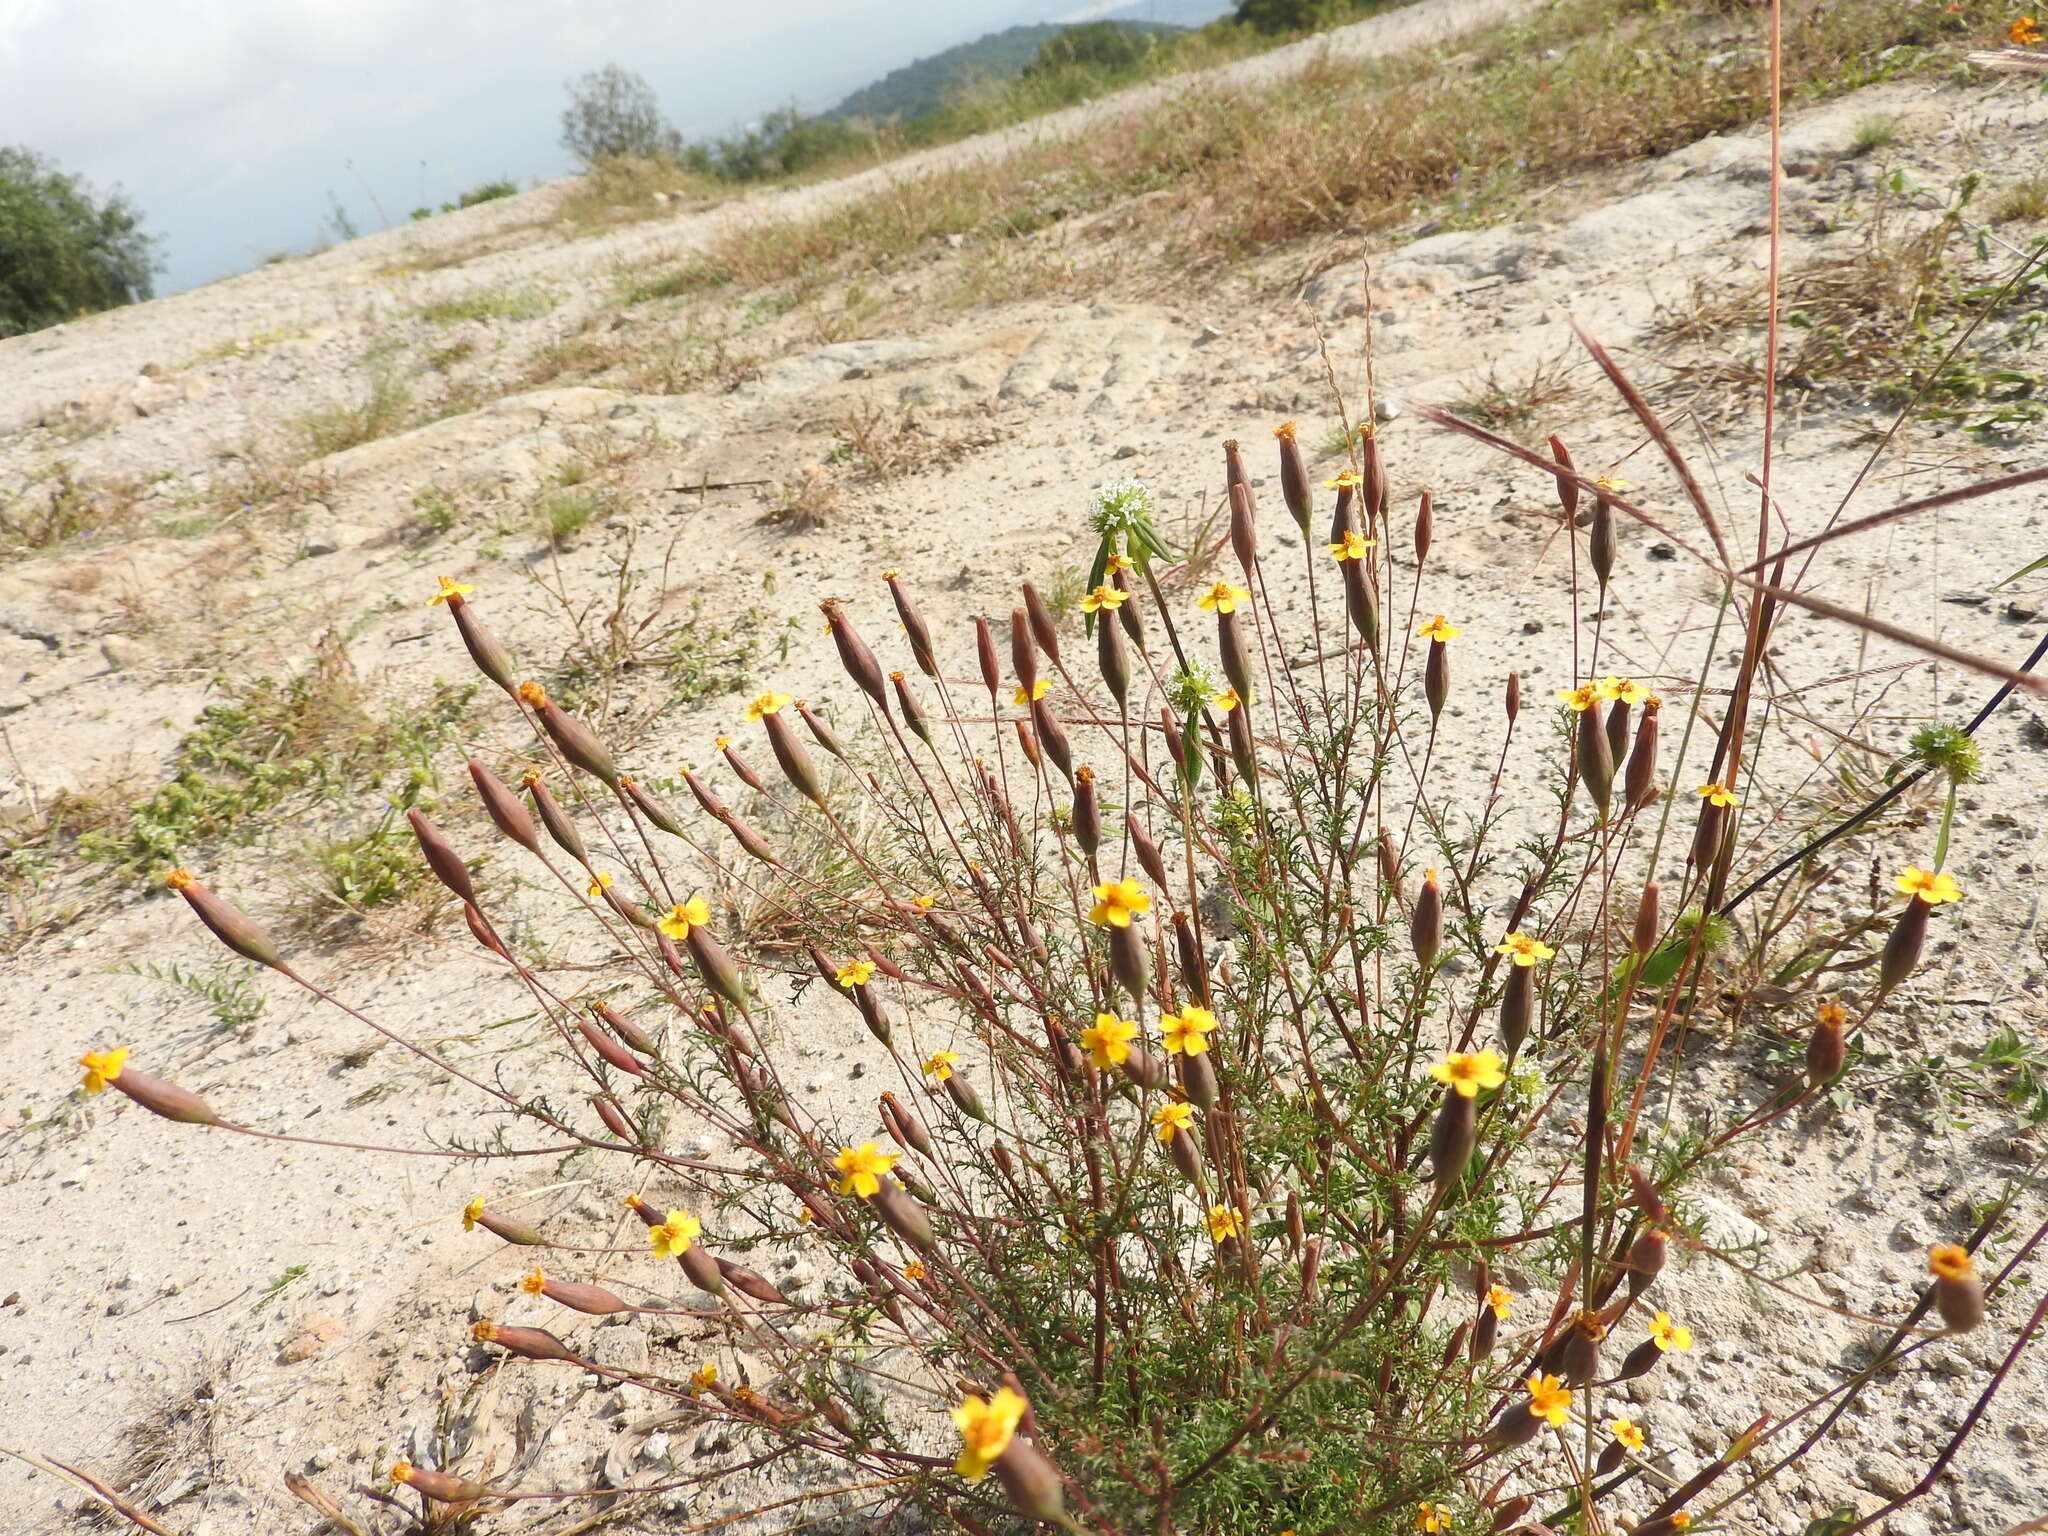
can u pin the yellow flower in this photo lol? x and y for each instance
(1624, 689)
(1629, 1433)
(2024, 32)
(1119, 563)
(1172, 1117)
(986, 1426)
(471, 1212)
(1549, 1399)
(1117, 902)
(401, 1471)
(535, 1282)
(674, 1235)
(702, 1378)
(533, 695)
(939, 1065)
(765, 704)
(1286, 430)
(680, 919)
(450, 590)
(923, 903)
(1108, 1040)
(1352, 547)
(1432, 1517)
(861, 1168)
(1670, 1335)
(1523, 949)
(1038, 689)
(1580, 699)
(1681, 1520)
(1226, 701)
(1466, 1072)
(1611, 483)
(1223, 598)
(1225, 1222)
(856, 973)
(1930, 888)
(721, 742)
(1439, 629)
(1187, 1032)
(1716, 794)
(1104, 596)
(1951, 1261)
(599, 885)
(1831, 1013)
(1346, 479)
(1502, 1300)
(102, 1067)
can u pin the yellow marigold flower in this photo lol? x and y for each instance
(449, 590)
(1951, 1261)
(1345, 479)
(1611, 483)
(1579, 699)
(986, 1426)
(1226, 701)
(1629, 1433)
(1286, 430)
(721, 742)
(471, 1212)
(1038, 691)
(680, 919)
(1223, 598)
(1108, 1040)
(599, 885)
(1104, 596)
(856, 973)
(101, 1068)
(1681, 1520)
(702, 1378)
(1930, 888)
(1670, 1335)
(1466, 1072)
(1716, 793)
(1549, 1399)
(535, 1282)
(401, 1471)
(923, 903)
(803, 1214)
(532, 694)
(914, 1270)
(674, 1235)
(1439, 629)
(1119, 562)
(861, 1168)
(1225, 1222)
(1831, 1013)
(1432, 1517)
(1523, 948)
(765, 704)
(1502, 1300)
(2024, 32)
(180, 880)
(939, 1065)
(1187, 1032)
(1625, 690)
(1352, 546)
(1172, 1117)
(1117, 902)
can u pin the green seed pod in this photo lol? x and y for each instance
(715, 964)
(442, 859)
(165, 1100)
(225, 920)
(1237, 661)
(903, 1216)
(1902, 948)
(854, 655)
(626, 1029)
(556, 820)
(792, 758)
(504, 808)
(915, 629)
(913, 714)
(1451, 1138)
(510, 1228)
(872, 1013)
(650, 806)
(491, 658)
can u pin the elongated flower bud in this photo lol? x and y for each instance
(556, 820)
(965, 1099)
(1238, 730)
(1640, 784)
(1361, 601)
(1087, 812)
(1567, 484)
(504, 808)
(1436, 677)
(1592, 756)
(490, 657)
(1617, 731)
(1146, 851)
(985, 655)
(1131, 613)
(225, 920)
(822, 733)
(1425, 527)
(715, 964)
(1646, 1259)
(1027, 742)
(1294, 481)
(913, 712)
(1237, 661)
(614, 1118)
(746, 771)
(1052, 737)
(872, 1013)
(1198, 1080)
(590, 1300)
(1648, 919)
(915, 629)
(1244, 537)
(626, 1029)
(1031, 1483)
(1127, 960)
(1113, 661)
(1185, 1156)
(1389, 865)
(751, 1282)
(572, 738)
(1826, 1050)
(481, 932)
(1170, 731)
(1343, 516)
(903, 1216)
(1600, 541)
(1517, 1007)
(792, 758)
(441, 857)
(1639, 1360)
(1023, 653)
(443, 1487)
(904, 1126)
(1452, 1136)
(608, 1048)
(1426, 923)
(1043, 630)
(1375, 474)
(1511, 702)
(1902, 948)
(527, 1343)
(1708, 834)
(854, 655)
(165, 1100)
(702, 1269)
(650, 805)
(752, 841)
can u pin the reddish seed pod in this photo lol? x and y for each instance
(1169, 729)
(527, 1343)
(1592, 756)
(1663, 1525)
(1826, 1050)
(854, 655)
(1375, 476)
(985, 654)
(225, 920)
(1343, 516)
(1198, 1080)
(1237, 661)
(1617, 732)
(1436, 677)
(1032, 1483)
(913, 713)
(1390, 866)
(441, 857)
(904, 1126)
(750, 1282)
(915, 629)
(1517, 1007)
(165, 1100)
(715, 964)
(750, 840)
(481, 932)
(511, 1229)
(1311, 1268)
(1238, 730)
(1244, 538)
(1648, 920)
(872, 1013)
(1127, 961)
(1639, 1360)
(444, 1487)
(1294, 481)
(1087, 812)
(1646, 1259)
(1425, 527)
(1052, 737)
(1646, 1194)
(504, 808)
(1113, 661)
(556, 820)
(1027, 743)
(1146, 851)
(707, 797)
(1297, 1228)
(1043, 630)
(748, 774)
(1485, 1332)
(650, 806)
(1708, 834)
(1902, 948)
(572, 738)
(1567, 483)
(490, 657)
(1452, 1136)
(822, 733)
(1511, 704)
(1193, 974)
(1960, 1303)
(1610, 1457)
(903, 1216)
(614, 1118)
(1185, 1156)
(1426, 922)
(1361, 602)
(626, 1029)
(964, 1098)
(702, 1269)
(1516, 1426)
(590, 1300)
(792, 757)
(1578, 1351)
(1023, 653)
(1511, 1512)
(608, 1048)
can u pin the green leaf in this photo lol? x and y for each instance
(1664, 962)
(1837, 1520)
(2026, 570)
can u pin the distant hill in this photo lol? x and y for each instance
(923, 86)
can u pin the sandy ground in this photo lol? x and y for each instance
(211, 1314)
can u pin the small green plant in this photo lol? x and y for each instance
(494, 303)
(1873, 133)
(2023, 202)
(278, 1285)
(434, 511)
(386, 408)
(565, 511)
(234, 1004)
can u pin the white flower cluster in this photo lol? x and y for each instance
(1117, 505)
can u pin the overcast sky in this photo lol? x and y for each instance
(233, 122)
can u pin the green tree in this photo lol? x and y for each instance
(1293, 15)
(1107, 46)
(64, 251)
(612, 112)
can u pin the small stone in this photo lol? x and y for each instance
(122, 651)
(319, 544)
(315, 1332)
(1662, 551)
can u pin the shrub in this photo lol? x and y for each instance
(612, 113)
(64, 251)
(1238, 1045)
(1107, 46)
